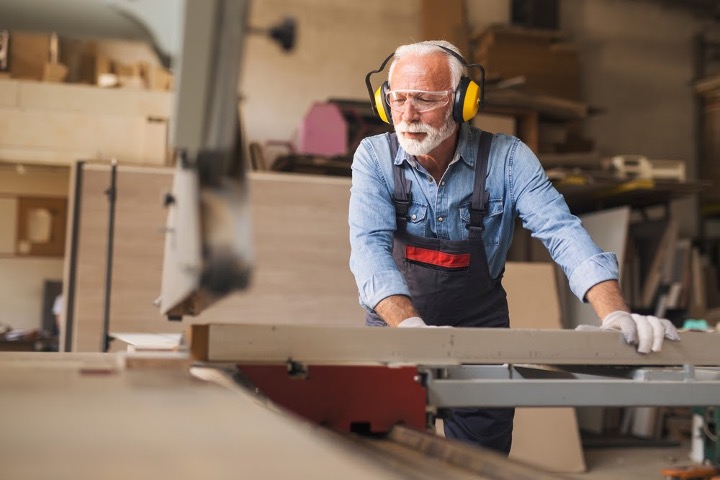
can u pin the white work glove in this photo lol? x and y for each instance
(417, 322)
(645, 331)
(412, 322)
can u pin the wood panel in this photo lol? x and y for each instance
(78, 98)
(90, 99)
(301, 250)
(64, 137)
(546, 437)
(137, 260)
(61, 123)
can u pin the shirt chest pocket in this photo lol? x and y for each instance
(416, 218)
(493, 218)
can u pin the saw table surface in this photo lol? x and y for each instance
(86, 416)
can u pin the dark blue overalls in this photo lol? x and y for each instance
(450, 285)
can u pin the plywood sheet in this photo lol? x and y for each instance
(546, 437)
(137, 252)
(301, 247)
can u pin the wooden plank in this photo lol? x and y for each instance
(101, 137)
(77, 98)
(552, 107)
(438, 346)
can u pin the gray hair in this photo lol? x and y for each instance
(429, 47)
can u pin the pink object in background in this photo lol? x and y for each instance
(323, 131)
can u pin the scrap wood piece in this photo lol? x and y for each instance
(443, 346)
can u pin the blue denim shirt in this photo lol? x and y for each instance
(518, 187)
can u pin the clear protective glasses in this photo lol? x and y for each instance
(421, 100)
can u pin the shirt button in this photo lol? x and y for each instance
(442, 183)
(414, 216)
(440, 219)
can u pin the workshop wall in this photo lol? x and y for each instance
(637, 68)
(21, 289)
(22, 278)
(337, 44)
(636, 60)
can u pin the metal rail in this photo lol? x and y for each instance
(537, 386)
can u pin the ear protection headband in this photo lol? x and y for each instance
(468, 99)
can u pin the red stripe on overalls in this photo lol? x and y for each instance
(433, 257)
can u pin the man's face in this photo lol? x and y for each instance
(419, 133)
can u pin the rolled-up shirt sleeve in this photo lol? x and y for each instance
(372, 225)
(545, 213)
(596, 269)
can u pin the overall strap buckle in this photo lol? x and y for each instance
(402, 207)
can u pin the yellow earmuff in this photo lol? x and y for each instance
(380, 106)
(468, 99)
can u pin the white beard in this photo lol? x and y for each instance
(433, 138)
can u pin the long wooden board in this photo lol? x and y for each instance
(437, 346)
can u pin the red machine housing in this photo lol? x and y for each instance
(367, 399)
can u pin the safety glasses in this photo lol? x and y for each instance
(421, 100)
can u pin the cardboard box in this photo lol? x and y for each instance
(550, 65)
(29, 52)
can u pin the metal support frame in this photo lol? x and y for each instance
(536, 386)
(111, 193)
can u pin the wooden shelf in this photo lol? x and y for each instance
(59, 123)
(641, 193)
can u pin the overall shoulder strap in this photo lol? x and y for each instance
(401, 196)
(480, 196)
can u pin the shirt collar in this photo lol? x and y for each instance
(466, 149)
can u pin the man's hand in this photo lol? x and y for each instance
(412, 322)
(417, 322)
(645, 331)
